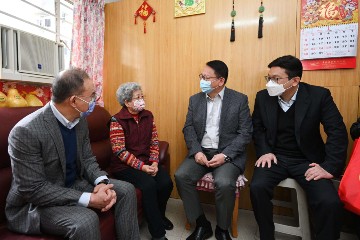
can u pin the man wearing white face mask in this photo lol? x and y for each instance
(217, 129)
(286, 118)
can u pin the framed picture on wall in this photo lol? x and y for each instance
(189, 7)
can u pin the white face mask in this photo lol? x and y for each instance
(139, 105)
(275, 89)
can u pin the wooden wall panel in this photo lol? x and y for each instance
(167, 59)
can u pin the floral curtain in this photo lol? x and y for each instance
(87, 48)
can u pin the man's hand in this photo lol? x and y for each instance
(201, 159)
(103, 197)
(316, 172)
(217, 160)
(266, 159)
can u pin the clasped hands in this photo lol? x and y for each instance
(151, 169)
(103, 197)
(315, 171)
(216, 161)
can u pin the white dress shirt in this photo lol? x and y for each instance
(211, 136)
(286, 105)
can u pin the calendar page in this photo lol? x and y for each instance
(329, 41)
(329, 29)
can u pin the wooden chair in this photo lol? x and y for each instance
(206, 183)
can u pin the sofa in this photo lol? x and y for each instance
(101, 147)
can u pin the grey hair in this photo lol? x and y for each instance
(125, 92)
(67, 83)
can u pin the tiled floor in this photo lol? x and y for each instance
(247, 226)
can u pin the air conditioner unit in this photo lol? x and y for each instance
(7, 58)
(27, 57)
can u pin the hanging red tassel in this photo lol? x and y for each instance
(153, 15)
(144, 27)
(135, 16)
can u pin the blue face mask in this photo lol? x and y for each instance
(90, 109)
(206, 86)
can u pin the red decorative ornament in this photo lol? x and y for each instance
(144, 11)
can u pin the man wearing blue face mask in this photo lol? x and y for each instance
(286, 118)
(57, 182)
(217, 129)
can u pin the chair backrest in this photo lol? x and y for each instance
(99, 136)
(8, 117)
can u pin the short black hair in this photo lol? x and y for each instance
(67, 83)
(292, 65)
(220, 68)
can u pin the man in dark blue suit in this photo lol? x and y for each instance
(286, 119)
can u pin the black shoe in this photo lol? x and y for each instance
(168, 225)
(159, 238)
(201, 233)
(222, 234)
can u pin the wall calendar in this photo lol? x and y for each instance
(329, 30)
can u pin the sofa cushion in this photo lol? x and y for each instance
(5, 182)
(9, 117)
(102, 151)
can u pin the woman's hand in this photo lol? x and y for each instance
(155, 167)
(148, 169)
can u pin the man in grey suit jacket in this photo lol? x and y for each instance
(217, 129)
(288, 143)
(56, 179)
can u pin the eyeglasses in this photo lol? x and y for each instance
(138, 97)
(274, 79)
(92, 99)
(201, 76)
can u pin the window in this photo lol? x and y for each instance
(41, 17)
(66, 23)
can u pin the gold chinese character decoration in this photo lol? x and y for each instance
(144, 11)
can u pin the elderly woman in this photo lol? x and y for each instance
(134, 141)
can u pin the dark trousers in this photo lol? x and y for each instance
(356, 220)
(322, 198)
(155, 194)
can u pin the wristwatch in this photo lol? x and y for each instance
(226, 158)
(104, 181)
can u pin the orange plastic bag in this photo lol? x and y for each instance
(349, 189)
